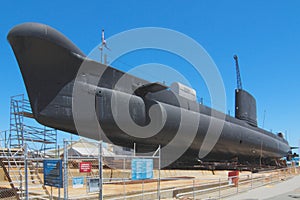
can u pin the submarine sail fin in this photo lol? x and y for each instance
(245, 107)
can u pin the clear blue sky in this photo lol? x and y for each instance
(264, 34)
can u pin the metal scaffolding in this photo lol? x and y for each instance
(24, 129)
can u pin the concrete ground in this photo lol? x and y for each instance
(286, 190)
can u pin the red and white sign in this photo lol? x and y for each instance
(85, 167)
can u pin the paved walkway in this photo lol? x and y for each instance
(286, 190)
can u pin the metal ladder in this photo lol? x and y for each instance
(16, 123)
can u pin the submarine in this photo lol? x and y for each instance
(50, 66)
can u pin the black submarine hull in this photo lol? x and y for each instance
(49, 64)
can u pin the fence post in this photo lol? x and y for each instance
(237, 187)
(251, 183)
(65, 170)
(124, 188)
(143, 190)
(5, 139)
(284, 172)
(158, 181)
(100, 171)
(21, 184)
(124, 184)
(271, 177)
(194, 189)
(51, 193)
(58, 156)
(219, 188)
(26, 171)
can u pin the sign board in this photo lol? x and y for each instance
(233, 178)
(141, 169)
(77, 182)
(53, 173)
(93, 185)
(85, 167)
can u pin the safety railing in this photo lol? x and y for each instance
(223, 187)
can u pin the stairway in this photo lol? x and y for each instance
(13, 163)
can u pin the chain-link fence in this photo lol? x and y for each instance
(80, 169)
(86, 169)
(97, 170)
(21, 174)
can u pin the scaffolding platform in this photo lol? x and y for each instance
(23, 127)
(26, 114)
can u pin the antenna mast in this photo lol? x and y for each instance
(238, 75)
(101, 48)
(264, 118)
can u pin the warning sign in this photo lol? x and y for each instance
(85, 167)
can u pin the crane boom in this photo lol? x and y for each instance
(238, 75)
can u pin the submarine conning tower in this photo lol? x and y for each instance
(245, 107)
(245, 104)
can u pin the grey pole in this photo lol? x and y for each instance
(219, 188)
(124, 184)
(61, 166)
(26, 171)
(51, 194)
(193, 189)
(5, 139)
(124, 188)
(158, 181)
(251, 180)
(100, 171)
(143, 190)
(65, 170)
